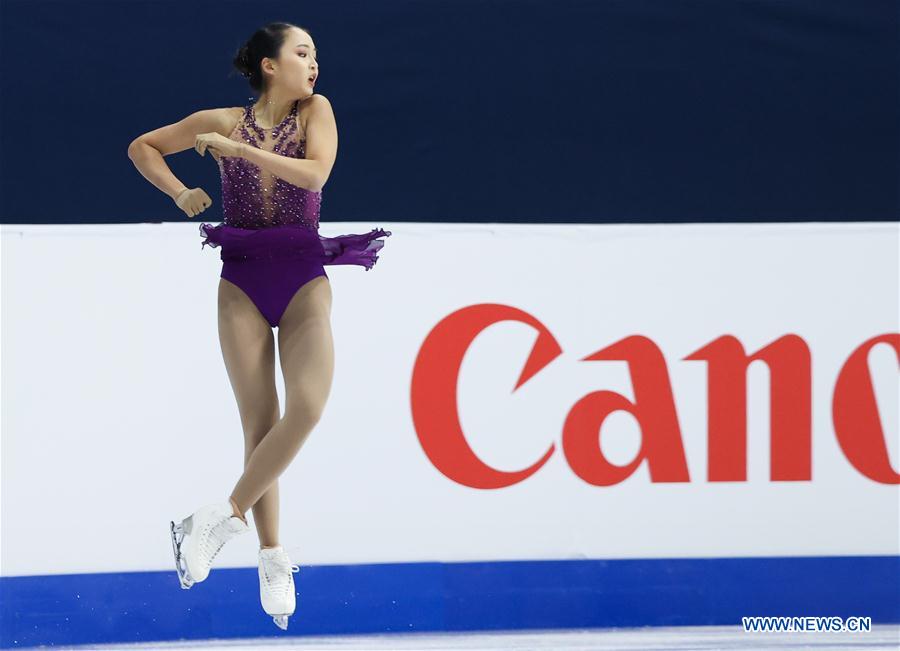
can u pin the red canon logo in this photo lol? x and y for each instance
(854, 409)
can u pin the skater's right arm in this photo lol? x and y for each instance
(147, 152)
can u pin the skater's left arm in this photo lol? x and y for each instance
(321, 150)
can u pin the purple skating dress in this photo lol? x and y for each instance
(269, 238)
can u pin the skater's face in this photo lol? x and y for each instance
(295, 65)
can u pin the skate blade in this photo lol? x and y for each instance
(184, 576)
(281, 621)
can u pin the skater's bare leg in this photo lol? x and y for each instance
(306, 349)
(248, 349)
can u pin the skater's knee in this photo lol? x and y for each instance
(303, 410)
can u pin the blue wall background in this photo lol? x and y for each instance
(473, 110)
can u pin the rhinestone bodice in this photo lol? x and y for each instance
(255, 198)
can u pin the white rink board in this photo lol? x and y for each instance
(118, 415)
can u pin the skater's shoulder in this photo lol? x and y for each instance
(310, 110)
(224, 120)
(313, 104)
(316, 99)
(231, 116)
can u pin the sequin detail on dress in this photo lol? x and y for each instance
(255, 198)
(267, 218)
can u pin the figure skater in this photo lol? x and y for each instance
(274, 157)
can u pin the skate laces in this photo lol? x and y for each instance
(216, 539)
(278, 572)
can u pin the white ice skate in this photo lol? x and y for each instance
(276, 584)
(207, 531)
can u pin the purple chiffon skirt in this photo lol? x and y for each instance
(294, 241)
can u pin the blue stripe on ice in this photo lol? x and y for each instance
(332, 599)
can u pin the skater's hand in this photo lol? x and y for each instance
(218, 145)
(193, 201)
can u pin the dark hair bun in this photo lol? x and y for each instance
(265, 42)
(242, 61)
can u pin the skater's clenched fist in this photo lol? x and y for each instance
(193, 201)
